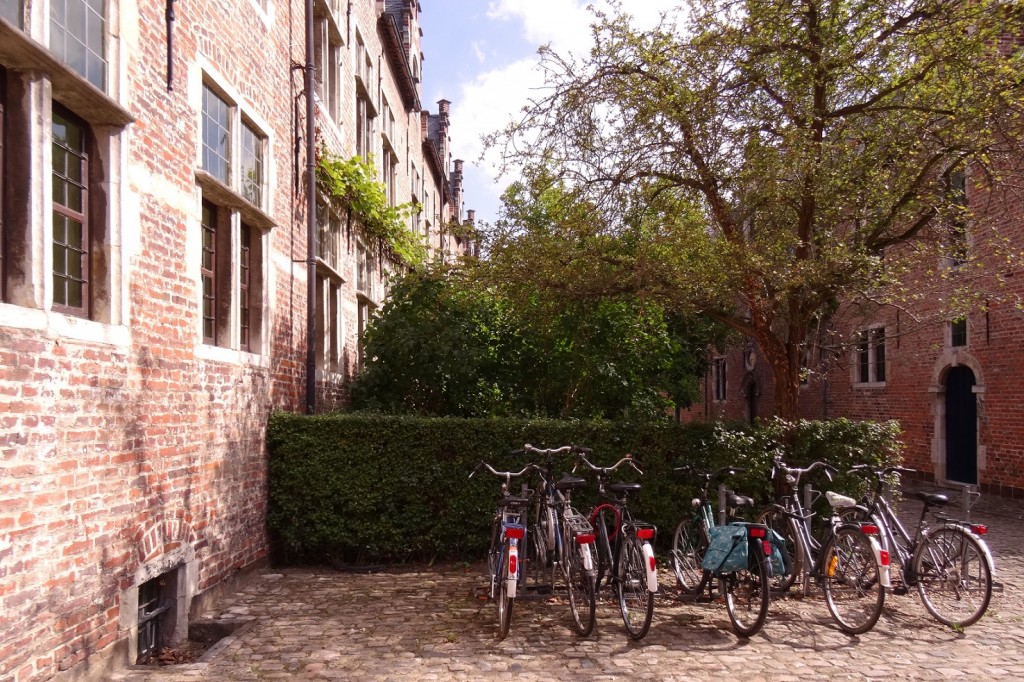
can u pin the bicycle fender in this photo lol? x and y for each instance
(651, 567)
(512, 570)
(981, 541)
(882, 559)
(588, 557)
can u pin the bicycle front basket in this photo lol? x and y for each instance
(728, 549)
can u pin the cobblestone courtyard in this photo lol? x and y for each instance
(426, 624)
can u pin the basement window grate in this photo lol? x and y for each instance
(153, 603)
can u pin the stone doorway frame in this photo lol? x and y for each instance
(950, 358)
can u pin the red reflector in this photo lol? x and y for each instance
(757, 532)
(515, 532)
(645, 533)
(651, 562)
(585, 539)
(513, 565)
(767, 546)
(869, 529)
(979, 529)
(883, 557)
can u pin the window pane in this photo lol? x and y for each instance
(11, 11)
(78, 35)
(863, 360)
(209, 228)
(70, 226)
(879, 335)
(216, 136)
(959, 333)
(252, 166)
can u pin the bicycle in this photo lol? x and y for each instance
(563, 539)
(629, 565)
(692, 535)
(703, 551)
(848, 562)
(508, 531)
(950, 564)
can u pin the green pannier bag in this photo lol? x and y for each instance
(727, 552)
(781, 562)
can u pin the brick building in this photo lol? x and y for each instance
(953, 384)
(154, 278)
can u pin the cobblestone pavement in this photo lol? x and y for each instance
(426, 624)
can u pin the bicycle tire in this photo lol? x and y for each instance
(504, 601)
(687, 555)
(604, 553)
(747, 593)
(954, 577)
(786, 527)
(581, 589)
(636, 602)
(853, 592)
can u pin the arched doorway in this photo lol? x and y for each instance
(750, 394)
(961, 426)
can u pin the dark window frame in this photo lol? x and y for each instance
(66, 279)
(871, 357)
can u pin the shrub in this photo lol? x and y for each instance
(357, 488)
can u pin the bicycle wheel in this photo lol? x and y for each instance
(504, 600)
(853, 591)
(746, 593)
(636, 602)
(580, 586)
(688, 546)
(954, 577)
(604, 553)
(786, 527)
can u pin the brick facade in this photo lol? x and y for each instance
(131, 445)
(922, 359)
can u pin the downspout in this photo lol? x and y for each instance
(170, 45)
(310, 220)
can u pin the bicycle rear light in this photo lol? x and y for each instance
(515, 532)
(652, 563)
(869, 529)
(513, 565)
(979, 529)
(585, 538)
(645, 533)
(757, 532)
(767, 547)
(883, 557)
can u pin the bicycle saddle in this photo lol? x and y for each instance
(624, 487)
(568, 482)
(735, 500)
(512, 501)
(932, 499)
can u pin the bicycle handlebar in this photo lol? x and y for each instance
(549, 452)
(880, 472)
(503, 474)
(798, 472)
(604, 471)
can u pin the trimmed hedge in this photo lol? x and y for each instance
(356, 488)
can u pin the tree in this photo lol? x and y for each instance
(444, 345)
(764, 161)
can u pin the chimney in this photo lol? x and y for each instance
(471, 217)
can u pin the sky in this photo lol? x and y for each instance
(481, 55)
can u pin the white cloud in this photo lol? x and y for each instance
(494, 97)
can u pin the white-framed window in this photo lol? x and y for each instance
(232, 179)
(61, 209)
(958, 332)
(329, 320)
(869, 355)
(719, 379)
(327, 50)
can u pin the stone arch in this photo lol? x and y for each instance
(950, 358)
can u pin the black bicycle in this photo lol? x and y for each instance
(562, 539)
(625, 554)
(508, 535)
(949, 562)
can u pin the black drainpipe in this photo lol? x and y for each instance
(310, 221)
(170, 45)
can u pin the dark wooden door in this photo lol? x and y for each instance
(961, 426)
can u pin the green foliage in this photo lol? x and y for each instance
(761, 161)
(445, 346)
(360, 488)
(352, 183)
